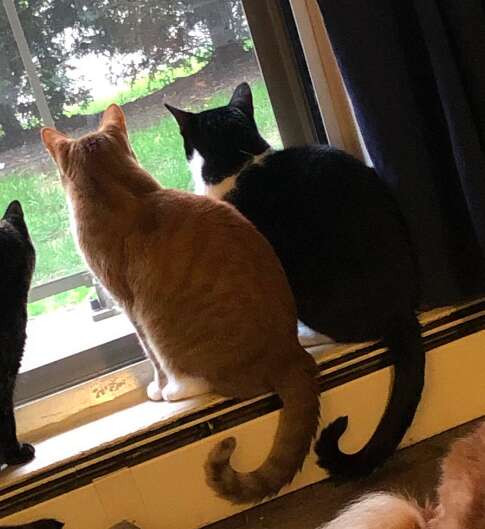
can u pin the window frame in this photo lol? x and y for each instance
(329, 89)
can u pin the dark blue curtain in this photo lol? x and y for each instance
(415, 72)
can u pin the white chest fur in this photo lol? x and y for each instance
(217, 191)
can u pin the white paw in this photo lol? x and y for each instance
(184, 388)
(154, 391)
(171, 391)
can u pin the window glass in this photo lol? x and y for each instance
(88, 54)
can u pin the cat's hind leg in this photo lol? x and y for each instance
(154, 388)
(178, 387)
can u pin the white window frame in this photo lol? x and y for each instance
(334, 103)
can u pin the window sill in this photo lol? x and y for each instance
(120, 421)
(118, 412)
(68, 446)
(127, 481)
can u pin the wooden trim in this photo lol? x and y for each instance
(343, 108)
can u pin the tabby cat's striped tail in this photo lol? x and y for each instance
(298, 423)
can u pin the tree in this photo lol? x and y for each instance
(225, 23)
(152, 33)
(165, 32)
(43, 22)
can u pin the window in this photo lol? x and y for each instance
(61, 64)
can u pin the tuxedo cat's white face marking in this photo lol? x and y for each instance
(196, 163)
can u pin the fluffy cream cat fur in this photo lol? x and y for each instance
(460, 500)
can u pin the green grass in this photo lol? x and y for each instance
(45, 209)
(63, 300)
(159, 149)
(139, 88)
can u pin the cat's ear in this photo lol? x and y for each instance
(53, 140)
(242, 98)
(182, 116)
(114, 117)
(14, 209)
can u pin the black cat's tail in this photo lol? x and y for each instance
(406, 347)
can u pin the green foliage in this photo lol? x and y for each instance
(43, 24)
(63, 300)
(46, 213)
(154, 37)
(248, 44)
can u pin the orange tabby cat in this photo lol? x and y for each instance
(205, 291)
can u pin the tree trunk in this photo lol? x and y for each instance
(10, 126)
(218, 17)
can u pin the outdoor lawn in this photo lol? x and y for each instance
(158, 148)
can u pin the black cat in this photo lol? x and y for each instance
(342, 241)
(17, 261)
